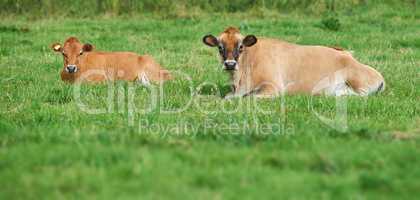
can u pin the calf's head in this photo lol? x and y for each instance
(72, 51)
(231, 44)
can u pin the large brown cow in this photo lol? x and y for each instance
(82, 63)
(269, 67)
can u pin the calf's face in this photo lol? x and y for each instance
(231, 44)
(72, 52)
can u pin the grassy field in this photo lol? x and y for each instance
(51, 148)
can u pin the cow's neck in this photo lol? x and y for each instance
(69, 77)
(234, 79)
(240, 78)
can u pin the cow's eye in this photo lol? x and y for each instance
(81, 52)
(241, 48)
(221, 50)
(64, 54)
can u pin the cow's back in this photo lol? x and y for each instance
(116, 65)
(285, 63)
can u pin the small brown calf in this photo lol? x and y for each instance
(82, 63)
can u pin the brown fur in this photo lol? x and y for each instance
(96, 66)
(231, 30)
(229, 40)
(271, 67)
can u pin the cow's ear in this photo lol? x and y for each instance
(210, 40)
(249, 40)
(57, 47)
(87, 47)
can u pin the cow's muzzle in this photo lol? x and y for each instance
(230, 65)
(71, 68)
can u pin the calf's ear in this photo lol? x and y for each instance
(87, 47)
(210, 40)
(249, 40)
(57, 47)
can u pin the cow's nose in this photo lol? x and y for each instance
(71, 68)
(230, 65)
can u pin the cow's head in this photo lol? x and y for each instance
(231, 44)
(72, 51)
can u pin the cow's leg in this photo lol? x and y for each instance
(267, 91)
(238, 91)
(365, 80)
(261, 90)
(232, 95)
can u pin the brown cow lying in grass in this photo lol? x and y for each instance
(82, 63)
(269, 67)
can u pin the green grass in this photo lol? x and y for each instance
(183, 8)
(51, 149)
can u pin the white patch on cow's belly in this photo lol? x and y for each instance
(340, 89)
(142, 78)
(333, 86)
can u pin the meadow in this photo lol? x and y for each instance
(183, 141)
